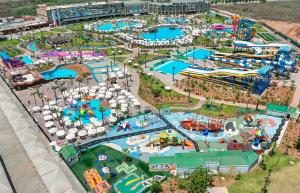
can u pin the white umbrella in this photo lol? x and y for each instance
(112, 119)
(108, 96)
(121, 97)
(88, 126)
(103, 88)
(36, 109)
(55, 115)
(124, 105)
(92, 90)
(66, 119)
(112, 101)
(60, 133)
(46, 107)
(53, 102)
(124, 110)
(77, 124)
(111, 89)
(92, 94)
(113, 105)
(130, 96)
(102, 91)
(77, 96)
(52, 130)
(100, 96)
(46, 112)
(68, 123)
(95, 87)
(93, 119)
(92, 132)
(137, 103)
(48, 117)
(70, 136)
(82, 133)
(97, 123)
(122, 101)
(100, 129)
(49, 124)
(102, 84)
(73, 131)
(109, 93)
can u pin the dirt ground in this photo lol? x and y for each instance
(290, 138)
(171, 186)
(274, 94)
(290, 29)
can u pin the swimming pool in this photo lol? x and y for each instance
(162, 33)
(199, 54)
(168, 67)
(74, 113)
(27, 60)
(175, 20)
(58, 73)
(118, 25)
(32, 46)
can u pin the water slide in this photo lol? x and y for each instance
(240, 73)
(252, 45)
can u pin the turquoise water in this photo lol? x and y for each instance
(162, 33)
(175, 20)
(58, 73)
(27, 60)
(116, 26)
(199, 54)
(168, 67)
(85, 118)
(32, 47)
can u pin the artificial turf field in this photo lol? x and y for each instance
(89, 159)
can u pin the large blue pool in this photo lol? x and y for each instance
(27, 60)
(168, 67)
(118, 25)
(199, 54)
(162, 33)
(91, 111)
(32, 46)
(58, 73)
(175, 20)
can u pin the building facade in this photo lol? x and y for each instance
(63, 14)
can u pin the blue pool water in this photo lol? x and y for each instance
(162, 33)
(32, 47)
(175, 20)
(58, 73)
(116, 26)
(199, 54)
(168, 67)
(85, 118)
(27, 60)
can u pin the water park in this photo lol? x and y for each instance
(122, 100)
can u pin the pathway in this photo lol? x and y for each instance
(296, 98)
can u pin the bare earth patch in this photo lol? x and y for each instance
(290, 29)
(290, 138)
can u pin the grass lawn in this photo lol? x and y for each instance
(9, 46)
(226, 110)
(89, 159)
(254, 181)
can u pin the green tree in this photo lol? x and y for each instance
(156, 91)
(199, 180)
(156, 187)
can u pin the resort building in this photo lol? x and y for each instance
(62, 14)
(221, 162)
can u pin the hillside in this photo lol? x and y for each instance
(28, 7)
(279, 10)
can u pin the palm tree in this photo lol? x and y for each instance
(40, 94)
(259, 100)
(102, 108)
(54, 87)
(34, 94)
(79, 80)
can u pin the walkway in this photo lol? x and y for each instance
(33, 167)
(296, 98)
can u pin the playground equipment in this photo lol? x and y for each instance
(243, 28)
(95, 182)
(124, 126)
(249, 118)
(11, 62)
(212, 126)
(169, 138)
(281, 58)
(86, 111)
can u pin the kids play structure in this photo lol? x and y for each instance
(258, 78)
(95, 182)
(276, 54)
(243, 28)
